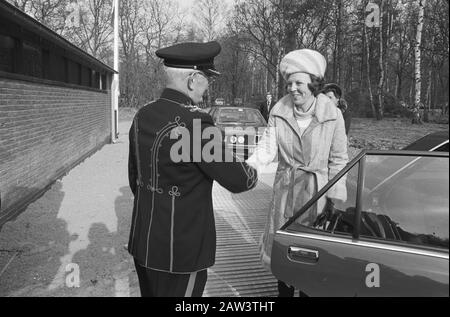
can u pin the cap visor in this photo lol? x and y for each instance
(212, 72)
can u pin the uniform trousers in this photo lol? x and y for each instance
(163, 284)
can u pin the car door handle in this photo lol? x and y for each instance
(301, 254)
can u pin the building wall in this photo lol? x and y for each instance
(45, 130)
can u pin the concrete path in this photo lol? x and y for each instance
(82, 224)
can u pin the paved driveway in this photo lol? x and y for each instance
(83, 222)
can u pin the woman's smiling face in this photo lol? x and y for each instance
(297, 86)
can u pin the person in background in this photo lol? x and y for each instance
(307, 132)
(334, 92)
(266, 106)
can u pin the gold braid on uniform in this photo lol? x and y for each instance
(252, 176)
(190, 107)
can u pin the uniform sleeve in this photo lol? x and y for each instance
(132, 163)
(220, 164)
(266, 149)
(338, 159)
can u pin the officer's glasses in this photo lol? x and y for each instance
(210, 79)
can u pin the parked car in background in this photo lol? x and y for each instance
(390, 237)
(219, 102)
(241, 128)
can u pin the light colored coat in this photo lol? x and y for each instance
(306, 162)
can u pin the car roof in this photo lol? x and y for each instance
(429, 142)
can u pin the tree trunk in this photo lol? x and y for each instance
(349, 83)
(339, 42)
(417, 56)
(369, 84)
(362, 65)
(398, 87)
(381, 81)
(429, 98)
(411, 93)
(278, 81)
(337, 45)
(399, 70)
(389, 29)
(427, 110)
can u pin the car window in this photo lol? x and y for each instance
(337, 219)
(404, 200)
(442, 148)
(241, 116)
(409, 205)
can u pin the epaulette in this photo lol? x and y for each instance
(192, 108)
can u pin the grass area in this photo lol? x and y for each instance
(388, 133)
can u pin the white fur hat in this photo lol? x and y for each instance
(303, 61)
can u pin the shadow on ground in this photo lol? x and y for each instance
(106, 268)
(31, 247)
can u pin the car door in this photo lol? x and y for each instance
(386, 239)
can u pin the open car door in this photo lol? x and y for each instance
(389, 237)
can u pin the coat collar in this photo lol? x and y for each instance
(176, 96)
(325, 109)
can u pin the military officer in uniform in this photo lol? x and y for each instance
(173, 235)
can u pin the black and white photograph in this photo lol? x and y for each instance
(234, 152)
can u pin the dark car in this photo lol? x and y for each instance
(241, 128)
(437, 141)
(390, 237)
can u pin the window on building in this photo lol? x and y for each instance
(7, 45)
(25, 52)
(31, 60)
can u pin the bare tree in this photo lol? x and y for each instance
(93, 33)
(258, 33)
(21, 4)
(210, 18)
(146, 26)
(417, 71)
(379, 112)
(256, 21)
(51, 13)
(369, 82)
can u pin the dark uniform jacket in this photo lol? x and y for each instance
(173, 228)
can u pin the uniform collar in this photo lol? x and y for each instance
(176, 96)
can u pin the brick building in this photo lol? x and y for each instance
(55, 108)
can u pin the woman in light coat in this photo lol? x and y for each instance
(308, 134)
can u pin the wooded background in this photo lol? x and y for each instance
(390, 56)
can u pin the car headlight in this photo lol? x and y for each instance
(241, 139)
(233, 139)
